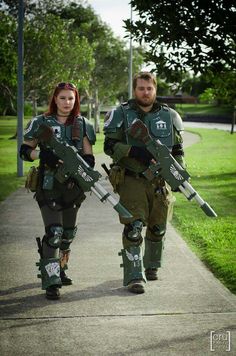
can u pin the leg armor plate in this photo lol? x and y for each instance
(153, 253)
(50, 272)
(133, 264)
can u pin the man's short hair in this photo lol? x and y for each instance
(145, 76)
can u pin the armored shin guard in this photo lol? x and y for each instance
(133, 264)
(153, 253)
(48, 266)
(49, 272)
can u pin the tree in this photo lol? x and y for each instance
(183, 35)
(60, 56)
(110, 74)
(65, 40)
(8, 63)
(53, 51)
(224, 87)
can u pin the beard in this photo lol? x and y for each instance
(145, 103)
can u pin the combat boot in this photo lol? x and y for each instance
(151, 274)
(136, 286)
(52, 292)
(65, 280)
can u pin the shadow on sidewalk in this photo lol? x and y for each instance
(22, 305)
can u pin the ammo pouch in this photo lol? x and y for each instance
(167, 196)
(116, 176)
(32, 179)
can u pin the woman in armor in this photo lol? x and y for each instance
(58, 202)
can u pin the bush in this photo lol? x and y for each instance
(207, 97)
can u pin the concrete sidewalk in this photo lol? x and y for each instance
(186, 311)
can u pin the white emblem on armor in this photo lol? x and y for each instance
(84, 175)
(175, 173)
(53, 269)
(161, 125)
(57, 131)
(133, 258)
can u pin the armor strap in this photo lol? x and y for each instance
(64, 258)
(75, 132)
(132, 264)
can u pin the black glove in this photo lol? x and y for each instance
(141, 154)
(49, 158)
(90, 160)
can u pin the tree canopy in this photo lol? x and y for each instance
(183, 35)
(63, 41)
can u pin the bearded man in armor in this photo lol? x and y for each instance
(150, 202)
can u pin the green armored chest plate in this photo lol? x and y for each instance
(159, 124)
(61, 132)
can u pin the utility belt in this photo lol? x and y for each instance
(157, 181)
(117, 176)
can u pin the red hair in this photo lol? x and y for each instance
(52, 108)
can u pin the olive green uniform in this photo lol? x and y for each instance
(148, 202)
(59, 203)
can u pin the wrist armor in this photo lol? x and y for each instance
(25, 152)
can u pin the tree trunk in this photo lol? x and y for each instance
(233, 121)
(35, 107)
(89, 110)
(96, 113)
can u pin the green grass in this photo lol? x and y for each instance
(212, 165)
(204, 109)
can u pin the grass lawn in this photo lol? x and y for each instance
(212, 166)
(204, 109)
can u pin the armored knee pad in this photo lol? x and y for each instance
(53, 235)
(156, 232)
(67, 238)
(133, 233)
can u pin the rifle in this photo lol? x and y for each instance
(74, 166)
(166, 166)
